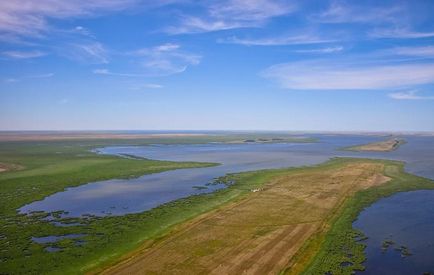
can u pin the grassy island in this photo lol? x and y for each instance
(381, 146)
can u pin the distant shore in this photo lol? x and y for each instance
(151, 137)
(381, 146)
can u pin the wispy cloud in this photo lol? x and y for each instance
(46, 75)
(341, 12)
(29, 17)
(162, 60)
(332, 75)
(108, 72)
(63, 101)
(165, 59)
(86, 51)
(147, 86)
(322, 50)
(23, 54)
(18, 79)
(421, 51)
(299, 39)
(232, 14)
(11, 80)
(403, 33)
(409, 95)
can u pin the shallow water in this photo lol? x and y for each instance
(53, 239)
(406, 219)
(122, 196)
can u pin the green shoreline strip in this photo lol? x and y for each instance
(340, 245)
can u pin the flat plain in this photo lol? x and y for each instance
(291, 220)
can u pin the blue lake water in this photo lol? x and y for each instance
(121, 196)
(407, 219)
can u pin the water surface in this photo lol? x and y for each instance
(122, 196)
(406, 219)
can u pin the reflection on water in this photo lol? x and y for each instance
(404, 219)
(121, 196)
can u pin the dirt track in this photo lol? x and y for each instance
(259, 234)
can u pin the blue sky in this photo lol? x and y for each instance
(228, 64)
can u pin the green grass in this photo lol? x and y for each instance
(52, 166)
(340, 244)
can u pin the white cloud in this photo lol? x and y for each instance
(409, 95)
(152, 86)
(165, 59)
(250, 10)
(17, 79)
(322, 50)
(46, 75)
(232, 14)
(199, 25)
(23, 54)
(108, 72)
(87, 52)
(147, 86)
(403, 33)
(340, 12)
(330, 75)
(29, 17)
(161, 60)
(11, 80)
(277, 41)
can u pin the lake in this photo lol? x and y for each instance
(407, 216)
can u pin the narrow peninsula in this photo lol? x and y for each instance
(381, 146)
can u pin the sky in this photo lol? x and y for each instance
(314, 65)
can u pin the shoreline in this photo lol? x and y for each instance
(138, 251)
(342, 235)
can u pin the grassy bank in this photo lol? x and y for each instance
(337, 243)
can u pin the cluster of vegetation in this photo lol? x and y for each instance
(386, 244)
(341, 243)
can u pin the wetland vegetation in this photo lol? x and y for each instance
(46, 167)
(70, 245)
